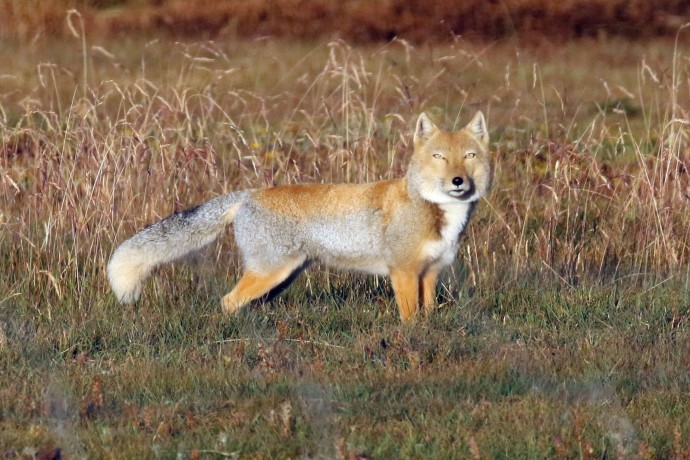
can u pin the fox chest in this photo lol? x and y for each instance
(442, 250)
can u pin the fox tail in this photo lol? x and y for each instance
(168, 240)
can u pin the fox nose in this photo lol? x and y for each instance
(457, 181)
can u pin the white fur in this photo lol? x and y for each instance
(425, 128)
(456, 216)
(127, 270)
(434, 192)
(478, 128)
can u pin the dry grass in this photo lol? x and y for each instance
(113, 145)
(564, 326)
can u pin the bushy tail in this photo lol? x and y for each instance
(168, 240)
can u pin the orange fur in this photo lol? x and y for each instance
(254, 285)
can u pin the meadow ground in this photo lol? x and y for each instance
(563, 330)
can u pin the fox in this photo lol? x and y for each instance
(407, 228)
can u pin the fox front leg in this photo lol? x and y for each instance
(429, 289)
(406, 288)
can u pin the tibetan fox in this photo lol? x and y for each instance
(407, 228)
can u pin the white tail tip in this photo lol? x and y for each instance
(127, 270)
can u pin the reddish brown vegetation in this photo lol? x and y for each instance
(354, 20)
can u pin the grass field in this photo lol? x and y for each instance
(564, 326)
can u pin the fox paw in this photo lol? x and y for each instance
(229, 305)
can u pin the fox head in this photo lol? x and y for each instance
(450, 167)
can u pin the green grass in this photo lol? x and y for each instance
(516, 373)
(563, 330)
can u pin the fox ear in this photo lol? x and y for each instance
(425, 128)
(478, 128)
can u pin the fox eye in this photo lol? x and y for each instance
(470, 154)
(438, 156)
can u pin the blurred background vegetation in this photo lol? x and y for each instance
(352, 20)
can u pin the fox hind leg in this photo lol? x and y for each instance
(253, 285)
